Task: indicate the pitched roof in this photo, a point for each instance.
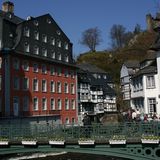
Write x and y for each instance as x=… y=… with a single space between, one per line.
x=146 y=70
x=132 y=64
x=90 y=68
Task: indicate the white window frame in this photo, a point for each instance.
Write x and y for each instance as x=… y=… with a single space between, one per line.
x=73 y=104
x=66 y=104
x=44 y=70
x=25 y=83
x=36 y=50
x=66 y=88
x=44 y=85
x=52 y=70
x=150 y=81
x=25 y=65
x=72 y=88
x=36 y=35
x=35 y=67
x=59 y=87
x=35 y=84
x=59 y=104
x=35 y=104
x=52 y=104
x=44 y=38
x=44 y=104
x=52 y=86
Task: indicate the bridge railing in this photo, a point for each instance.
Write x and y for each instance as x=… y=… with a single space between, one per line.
x=70 y=132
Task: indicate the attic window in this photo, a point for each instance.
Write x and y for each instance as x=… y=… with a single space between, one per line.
x=58 y=32
x=48 y=21
x=44 y=38
x=35 y=23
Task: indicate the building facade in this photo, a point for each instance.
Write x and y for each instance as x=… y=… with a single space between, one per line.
x=38 y=73
x=94 y=91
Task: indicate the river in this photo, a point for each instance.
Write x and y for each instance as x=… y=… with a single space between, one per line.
x=61 y=156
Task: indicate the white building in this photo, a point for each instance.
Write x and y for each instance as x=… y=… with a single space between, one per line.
x=145 y=86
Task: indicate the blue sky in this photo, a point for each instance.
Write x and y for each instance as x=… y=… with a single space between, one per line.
x=75 y=16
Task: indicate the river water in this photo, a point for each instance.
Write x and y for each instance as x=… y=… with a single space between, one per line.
x=61 y=156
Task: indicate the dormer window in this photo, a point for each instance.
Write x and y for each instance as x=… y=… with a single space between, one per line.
x=59 y=57
x=59 y=43
x=44 y=52
x=26 y=47
x=26 y=32
x=35 y=23
x=66 y=46
x=36 y=35
x=58 y=32
x=44 y=38
x=52 y=41
x=53 y=54
x=49 y=21
x=36 y=50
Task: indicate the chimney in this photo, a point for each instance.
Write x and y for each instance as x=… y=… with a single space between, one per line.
x=8 y=7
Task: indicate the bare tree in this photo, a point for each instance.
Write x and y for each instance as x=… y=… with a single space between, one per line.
x=117 y=33
x=91 y=38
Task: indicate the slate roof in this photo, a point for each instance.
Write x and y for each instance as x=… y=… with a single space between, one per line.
x=132 y=64
x=90 y=68
x=146 y=70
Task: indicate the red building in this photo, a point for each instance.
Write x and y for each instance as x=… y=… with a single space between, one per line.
x=38 y=73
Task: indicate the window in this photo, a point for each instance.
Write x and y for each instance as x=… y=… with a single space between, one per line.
x=72 y=74
x=44 y=104
x=67 y=121
x=36 y=50
x=26 y=32
x=35 y=103
x=35 y=67
x=44 y=52
x=25 y=103
x=58 y=87
x=73 y=121
x=152 y=105
x=66 y=45
x=59 y=71
x=25 y=83
x=66 y=90
x=52 y=86
x=44 y=38
x=16 y=64
x=59 y=43
x=44 y=69
x=52 y=104
x=52 y=41
x=35 y=85
x=59 y=104
x=72 y=89
x=150 y=82
x=16 y=82
x=35 y=22
x=26 y=47
x=44 y=86
x=66 y=58
x=25 y=66
x=66 y=72
x=52 y=70
x=66 y=104
x=36 y=35
x=72 y=104
x=59 y=57
x=53 y=54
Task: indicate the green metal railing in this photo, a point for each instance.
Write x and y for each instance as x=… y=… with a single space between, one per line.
x=96 y=131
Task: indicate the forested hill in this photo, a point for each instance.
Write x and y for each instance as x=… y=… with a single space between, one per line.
x=111 y=61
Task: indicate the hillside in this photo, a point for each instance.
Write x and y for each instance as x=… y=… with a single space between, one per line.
x=111 y=61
